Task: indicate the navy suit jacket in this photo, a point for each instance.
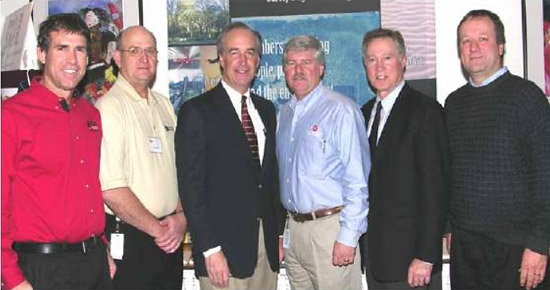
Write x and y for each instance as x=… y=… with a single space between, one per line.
x=224 y=193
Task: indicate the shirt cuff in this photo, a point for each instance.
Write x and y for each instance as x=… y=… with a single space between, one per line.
x=212 y=251
x=348 y=237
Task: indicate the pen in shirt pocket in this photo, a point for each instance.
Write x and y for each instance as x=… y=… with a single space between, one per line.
x=324 y=145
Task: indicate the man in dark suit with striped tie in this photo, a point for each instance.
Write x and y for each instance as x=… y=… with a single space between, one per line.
x=227 y=173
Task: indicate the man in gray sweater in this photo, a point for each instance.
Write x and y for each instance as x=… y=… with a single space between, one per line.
x=499 y=133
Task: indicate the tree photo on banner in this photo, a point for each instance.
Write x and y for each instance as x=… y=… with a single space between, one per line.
x=193 y=26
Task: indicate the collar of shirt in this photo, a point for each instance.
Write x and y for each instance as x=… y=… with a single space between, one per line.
x=490 y=79
x=387 y=105
x=49 y=98
x=127 y=87
x=235 y=98
x=305 y=103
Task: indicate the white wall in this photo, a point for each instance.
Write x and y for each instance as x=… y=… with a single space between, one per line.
x=155 y=19
x=448 y=15
x=535 y=42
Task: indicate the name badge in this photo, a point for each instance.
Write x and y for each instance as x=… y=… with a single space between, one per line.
x=286 y=238
x=117 y=246
x=155 y=145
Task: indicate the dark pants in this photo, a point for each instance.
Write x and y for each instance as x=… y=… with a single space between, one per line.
x=374 y=284
x=144 y=265
x=88 y=270
x=479 y=262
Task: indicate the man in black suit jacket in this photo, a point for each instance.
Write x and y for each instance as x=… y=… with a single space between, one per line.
x=408 y=179
x=227 y=173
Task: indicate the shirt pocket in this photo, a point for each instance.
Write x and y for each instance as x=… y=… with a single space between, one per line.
x=312 y=155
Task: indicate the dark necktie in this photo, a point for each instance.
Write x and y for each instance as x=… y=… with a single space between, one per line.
x=248 y=128
x=374 y=131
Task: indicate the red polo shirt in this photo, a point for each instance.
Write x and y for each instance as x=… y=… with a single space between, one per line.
x=50 y=173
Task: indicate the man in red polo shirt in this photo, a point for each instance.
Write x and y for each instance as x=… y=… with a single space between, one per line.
x=52 y=210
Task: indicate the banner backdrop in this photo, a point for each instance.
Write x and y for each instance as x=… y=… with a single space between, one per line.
x=338 y=24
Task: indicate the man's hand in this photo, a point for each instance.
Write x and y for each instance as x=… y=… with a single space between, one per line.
x=342 y=255
x=170 y=240
x=112 y=265
x=448 y=238
x=533 y=269
x=419 y=273
x=218 y=271
x=25 y=285
x=281 y=250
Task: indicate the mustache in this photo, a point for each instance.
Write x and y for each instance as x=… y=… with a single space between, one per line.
x=299 y=77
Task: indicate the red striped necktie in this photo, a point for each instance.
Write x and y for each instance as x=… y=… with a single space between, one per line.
x=248 y=128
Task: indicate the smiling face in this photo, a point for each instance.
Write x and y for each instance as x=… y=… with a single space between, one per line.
x=64 y=62
x=479 y=52
x=385 y=65
x=302 y=71
x=239 y=59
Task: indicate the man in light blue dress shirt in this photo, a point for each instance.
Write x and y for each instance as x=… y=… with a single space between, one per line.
x=324 y=163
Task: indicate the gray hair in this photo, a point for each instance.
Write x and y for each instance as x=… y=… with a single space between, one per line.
x=303 y=43
x=394 y=35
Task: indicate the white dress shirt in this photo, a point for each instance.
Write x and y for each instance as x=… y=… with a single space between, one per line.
x=387 y=105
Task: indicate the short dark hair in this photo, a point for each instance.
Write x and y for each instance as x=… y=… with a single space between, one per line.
x=68 y=22
x=499 y=27
x=302 y=43
x=394 y=35
x=238 y=25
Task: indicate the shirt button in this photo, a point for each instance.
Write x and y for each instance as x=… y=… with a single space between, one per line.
x=87 y=186
x=289 y=159
x=259 y=186
x=91 y=211
x=81 y=161
x=292 y=139
x=77 y=137
x=287 y=180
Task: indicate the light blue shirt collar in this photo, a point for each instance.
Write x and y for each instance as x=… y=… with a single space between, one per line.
x=490 y=79
x=308 y=100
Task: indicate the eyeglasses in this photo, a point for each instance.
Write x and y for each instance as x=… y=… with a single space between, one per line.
x=138 y=51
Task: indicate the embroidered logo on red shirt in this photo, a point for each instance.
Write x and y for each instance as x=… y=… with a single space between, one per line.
x=92 y=126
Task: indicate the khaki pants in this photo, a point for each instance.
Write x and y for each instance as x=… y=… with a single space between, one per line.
x=309 y=257
x=262 y=279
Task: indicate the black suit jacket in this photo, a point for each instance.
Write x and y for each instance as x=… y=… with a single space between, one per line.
x=408 y=187
x=224 y=193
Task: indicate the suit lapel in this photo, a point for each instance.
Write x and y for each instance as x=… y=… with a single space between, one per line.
x=396 y=123
x=230 y=121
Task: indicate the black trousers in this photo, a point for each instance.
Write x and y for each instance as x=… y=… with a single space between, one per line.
x=479 y=262
x=144 y=265
x=88 y=270
x=374 y=284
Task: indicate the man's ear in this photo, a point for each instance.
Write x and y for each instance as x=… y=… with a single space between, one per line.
x=41 y=55
x=116 y=57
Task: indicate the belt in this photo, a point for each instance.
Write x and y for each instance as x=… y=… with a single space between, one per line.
x=303 y=217
x=54 y=248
